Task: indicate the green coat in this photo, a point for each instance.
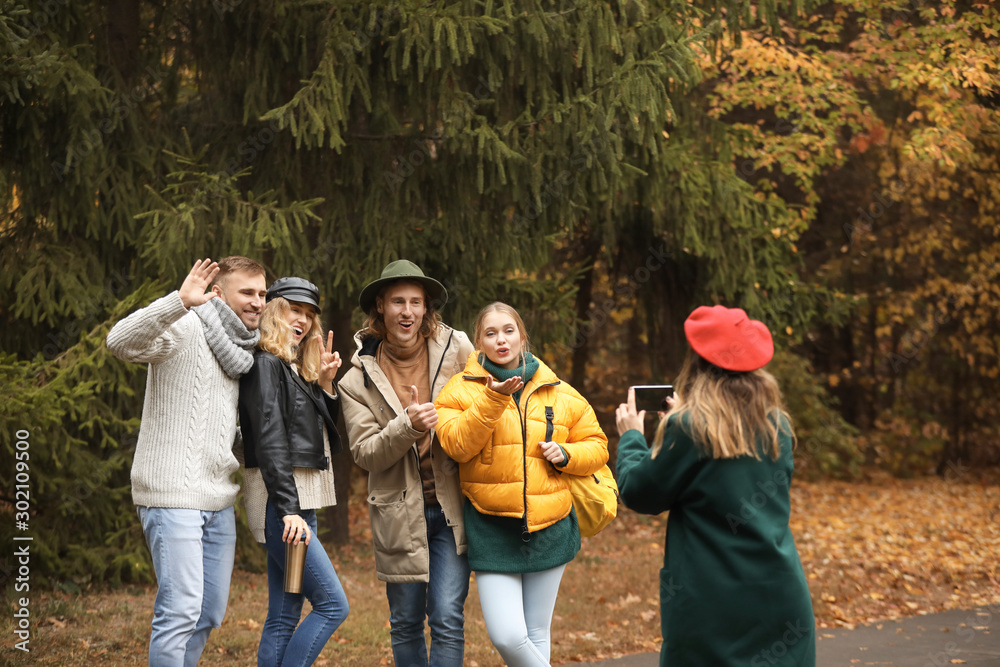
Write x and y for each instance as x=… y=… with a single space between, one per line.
x=732 y=589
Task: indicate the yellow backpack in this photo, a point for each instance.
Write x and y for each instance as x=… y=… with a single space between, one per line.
x=595 y=497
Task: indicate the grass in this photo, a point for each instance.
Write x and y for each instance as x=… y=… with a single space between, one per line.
x=871 y=551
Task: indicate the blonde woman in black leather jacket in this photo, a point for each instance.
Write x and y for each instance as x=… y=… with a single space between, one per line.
x=288 y=409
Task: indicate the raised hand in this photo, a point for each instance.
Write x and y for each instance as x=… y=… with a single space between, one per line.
x=192 y=291
x=329 y=362
x=508 y=386
x=626 y=418
x=423 y=416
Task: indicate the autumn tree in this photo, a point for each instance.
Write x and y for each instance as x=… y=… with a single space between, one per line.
x=327 y=138
x=879 y=122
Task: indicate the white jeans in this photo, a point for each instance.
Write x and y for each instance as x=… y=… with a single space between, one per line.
x=518 y=610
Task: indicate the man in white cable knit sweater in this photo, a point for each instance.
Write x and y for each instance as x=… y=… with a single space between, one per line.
x=197 y=345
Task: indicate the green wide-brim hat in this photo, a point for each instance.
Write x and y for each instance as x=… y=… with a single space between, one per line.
x=403 y=269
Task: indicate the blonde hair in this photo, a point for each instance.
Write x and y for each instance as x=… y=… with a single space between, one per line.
x=500 y=307
x=276 y=338
x=731 y=414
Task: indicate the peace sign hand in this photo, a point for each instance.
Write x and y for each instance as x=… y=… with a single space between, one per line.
x=329 y=362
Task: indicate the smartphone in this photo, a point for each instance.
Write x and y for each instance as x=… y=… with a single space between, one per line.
x=652 y=397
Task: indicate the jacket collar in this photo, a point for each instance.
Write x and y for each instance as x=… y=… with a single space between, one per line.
x=312 y=390
x=364 y=360
x=474 y=371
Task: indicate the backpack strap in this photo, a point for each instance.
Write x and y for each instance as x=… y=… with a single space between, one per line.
x=549 y=426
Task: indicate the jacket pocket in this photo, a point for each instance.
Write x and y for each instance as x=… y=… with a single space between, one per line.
x=391 y=529
x=382 y=413
x=486 y=455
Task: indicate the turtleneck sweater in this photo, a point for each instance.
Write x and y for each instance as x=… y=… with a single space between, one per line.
x=407 y=367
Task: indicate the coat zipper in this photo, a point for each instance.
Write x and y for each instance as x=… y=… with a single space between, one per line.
x=430 y=452
x=525 y=533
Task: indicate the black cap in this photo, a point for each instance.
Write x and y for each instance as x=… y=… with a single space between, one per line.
x=299 y=290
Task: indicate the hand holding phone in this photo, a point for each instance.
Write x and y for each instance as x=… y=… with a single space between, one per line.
x=652 y=397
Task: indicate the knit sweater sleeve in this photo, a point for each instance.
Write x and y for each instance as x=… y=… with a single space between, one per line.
x=149 y=335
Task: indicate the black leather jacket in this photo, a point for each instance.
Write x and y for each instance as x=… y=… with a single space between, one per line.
x=282 y=419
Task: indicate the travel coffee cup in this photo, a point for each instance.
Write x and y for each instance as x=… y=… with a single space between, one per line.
x=295 y=563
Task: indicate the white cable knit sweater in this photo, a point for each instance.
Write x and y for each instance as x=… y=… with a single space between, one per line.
x=184 y=457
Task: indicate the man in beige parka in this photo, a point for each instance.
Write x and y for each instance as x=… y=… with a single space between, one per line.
x=405 y=357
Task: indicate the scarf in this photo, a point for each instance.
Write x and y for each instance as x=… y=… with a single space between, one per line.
x=230 y=340
x=525 y=370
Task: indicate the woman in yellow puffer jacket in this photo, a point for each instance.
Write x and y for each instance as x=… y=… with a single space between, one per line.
x=516 y=430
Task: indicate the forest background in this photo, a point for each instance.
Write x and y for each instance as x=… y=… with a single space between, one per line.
x=831 y=167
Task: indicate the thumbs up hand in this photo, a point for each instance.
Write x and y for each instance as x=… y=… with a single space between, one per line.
x=423 y=416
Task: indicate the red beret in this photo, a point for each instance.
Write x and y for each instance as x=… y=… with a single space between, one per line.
x=728 y=338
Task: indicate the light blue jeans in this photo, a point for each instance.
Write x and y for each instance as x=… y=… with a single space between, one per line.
x=281 y=643
x=441 y=601
x=193 y=553
x=518 y=610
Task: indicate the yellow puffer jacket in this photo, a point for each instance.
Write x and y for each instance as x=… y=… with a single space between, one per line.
x=501 y=466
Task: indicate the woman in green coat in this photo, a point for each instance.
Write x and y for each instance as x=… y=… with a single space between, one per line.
x=732 y=589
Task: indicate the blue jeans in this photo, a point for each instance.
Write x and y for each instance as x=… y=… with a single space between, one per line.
x=441 y=601
x=281 y=643
x=193 y=554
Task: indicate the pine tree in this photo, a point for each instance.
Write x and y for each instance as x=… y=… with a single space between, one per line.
x=328 y=138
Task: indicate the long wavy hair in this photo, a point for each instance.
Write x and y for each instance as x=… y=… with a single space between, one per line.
x=729 y=414
x=374 y=325
x=276 y=337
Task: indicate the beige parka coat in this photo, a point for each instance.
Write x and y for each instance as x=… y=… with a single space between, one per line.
x=383 y=442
